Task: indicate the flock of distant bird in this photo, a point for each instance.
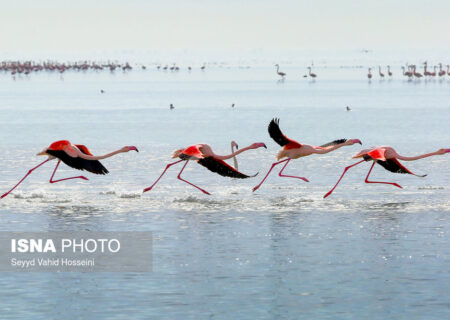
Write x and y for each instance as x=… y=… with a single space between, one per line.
x=410 y=71
x=27 y=67
x=174 y=67
x=283 y=74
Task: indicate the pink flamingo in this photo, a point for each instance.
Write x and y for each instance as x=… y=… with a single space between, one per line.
x=389 y=71
x=369 y=75
x=380 y=73
x=388 y=158
x=281 y=74
x=74 y=155
x=204 y=155
x=294 y=150
x=441 y=71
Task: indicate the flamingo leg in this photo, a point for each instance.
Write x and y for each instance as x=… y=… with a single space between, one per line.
x=343 y=173
x=273 y=165
x=282 y=175
x=54 y=171
x=368 y=174
x=179 y=177
x=28 y=173
x=167 y=167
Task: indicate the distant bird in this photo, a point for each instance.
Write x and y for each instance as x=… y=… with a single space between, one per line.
x=369 y=75
x=203 y=67
x=171 y=107
x=408 y=74
x=102 y=91
x=74 y=155
x=388 y=158
x=203 y=155
x=312 y=75
x=281 y=74
x=348 y=108
x=380 y=73
x=294 y=150
x=389 y=71
x=433 y=74
x=415 y=73
x=189 y=68
x=232 y=105
x=441 y=71
x=144 y=67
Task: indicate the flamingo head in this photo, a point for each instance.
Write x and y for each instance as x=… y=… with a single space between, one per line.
x=357 y=141
x=259 y=145
x=132 y=148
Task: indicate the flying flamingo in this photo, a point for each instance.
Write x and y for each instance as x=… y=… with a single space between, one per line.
x=76 y=156
x=380 y=73
x=388 y=158
x=312 y=75
x=294 y=150
x=369 y=75
x=203 y=154
x=389 y=71
x=281 y=74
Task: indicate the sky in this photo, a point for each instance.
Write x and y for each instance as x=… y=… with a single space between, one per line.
x=231 y=25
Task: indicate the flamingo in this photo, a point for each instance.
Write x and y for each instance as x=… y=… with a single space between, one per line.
x=441 y=71
x=76 y=156
x=425 y=71
x=281 y=74
x=369 y=75
x=380 y=73
x=388 y=158
x=204 y=155
x=416 y=74
x=294 y=150
x=433 y=74
x=407 y=73
x=389 y=71
x=312 y=75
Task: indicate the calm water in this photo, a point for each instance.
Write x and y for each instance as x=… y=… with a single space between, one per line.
x=368 y=251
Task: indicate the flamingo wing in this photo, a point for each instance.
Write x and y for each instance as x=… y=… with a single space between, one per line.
x=222 y=168
x=276 y=134
x=84 y=149
x=395 y=166
x=93 y=166
x=192 y=153
x=333 y=143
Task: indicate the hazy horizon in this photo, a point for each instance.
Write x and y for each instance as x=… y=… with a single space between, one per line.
x=201 y=26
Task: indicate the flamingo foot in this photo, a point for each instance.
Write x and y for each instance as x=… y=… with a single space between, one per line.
x=255 y=188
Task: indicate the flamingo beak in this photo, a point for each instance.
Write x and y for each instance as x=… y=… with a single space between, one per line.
x=259 y=145
x=447 y=150
x=132 y=148
x=357 y=141
x=42 y=153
